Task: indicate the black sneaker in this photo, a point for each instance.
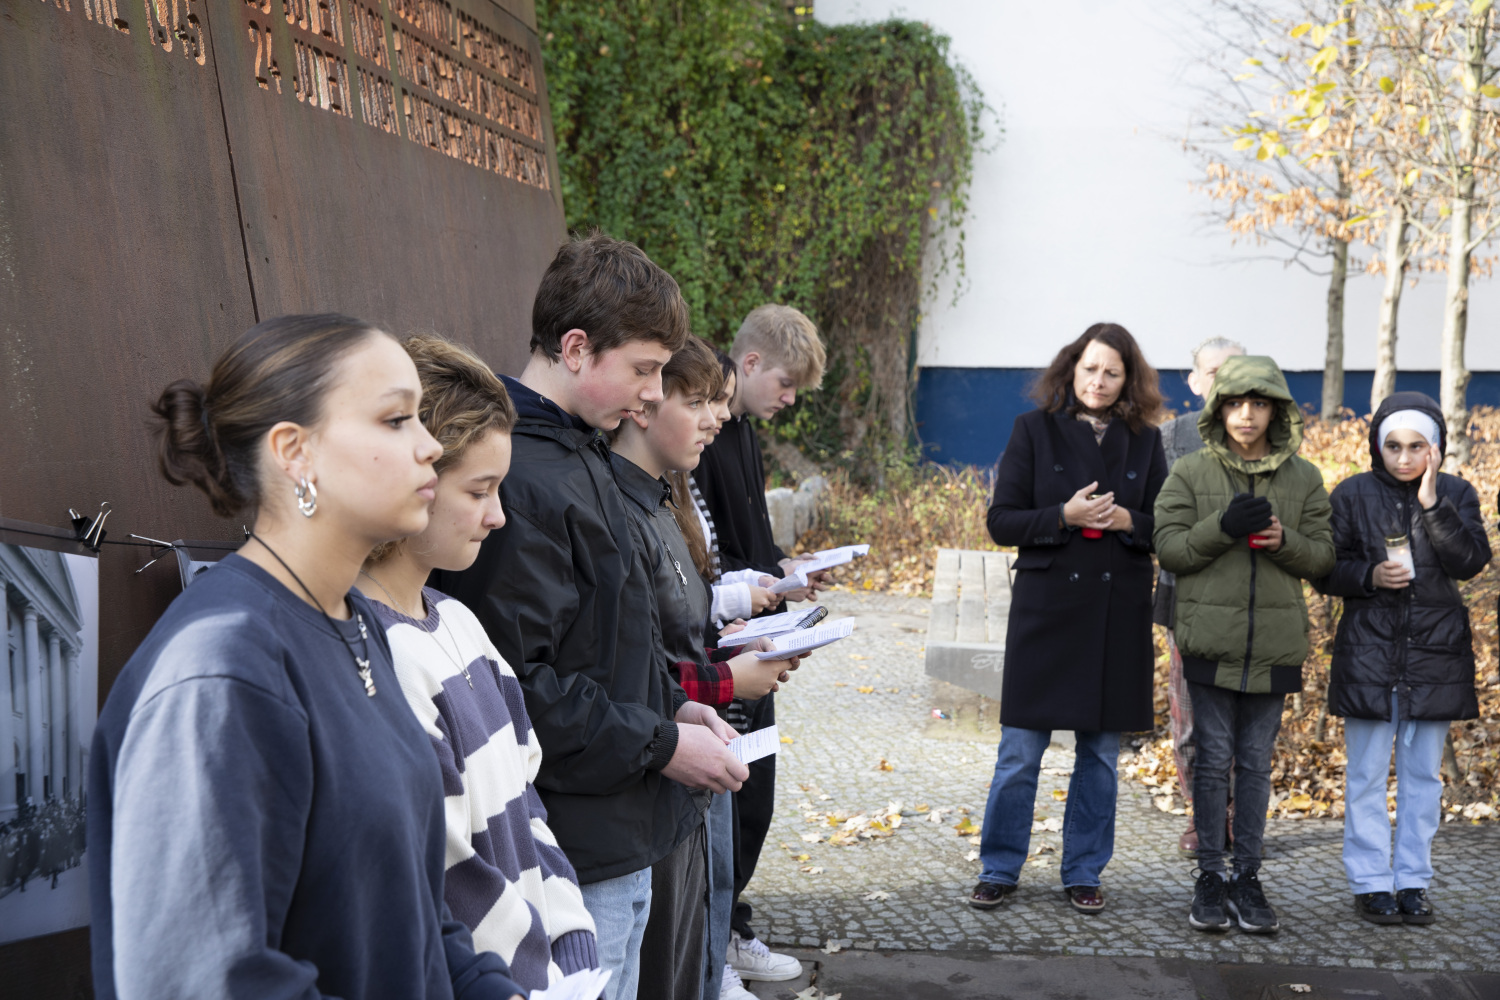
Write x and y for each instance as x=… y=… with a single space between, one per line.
x=1208 y=912
x=1377 y=907
x=1247 y=903
x=1415 y=909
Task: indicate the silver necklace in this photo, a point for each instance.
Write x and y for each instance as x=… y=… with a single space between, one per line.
x=361 y=663
x=456 y=660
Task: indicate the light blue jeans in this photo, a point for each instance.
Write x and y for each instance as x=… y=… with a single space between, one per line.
x=1419 y=802
x=720 y=822
x=620 y=908
x=1088 y=820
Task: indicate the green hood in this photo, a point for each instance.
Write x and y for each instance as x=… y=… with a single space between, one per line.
x=1240 y=375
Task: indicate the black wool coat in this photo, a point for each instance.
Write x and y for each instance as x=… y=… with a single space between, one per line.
x=1078 y=651
x=1415 y=641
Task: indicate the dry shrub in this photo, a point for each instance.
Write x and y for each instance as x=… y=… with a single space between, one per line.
x=917 y=511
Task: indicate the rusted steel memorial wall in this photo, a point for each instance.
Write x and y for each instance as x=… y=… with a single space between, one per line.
x=172 y=171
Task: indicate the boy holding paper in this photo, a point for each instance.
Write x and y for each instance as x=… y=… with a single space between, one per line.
x=776 y=352
x=661 y=437
x=562 y=593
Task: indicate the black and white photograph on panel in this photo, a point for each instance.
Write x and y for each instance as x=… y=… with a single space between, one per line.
x=49 y=697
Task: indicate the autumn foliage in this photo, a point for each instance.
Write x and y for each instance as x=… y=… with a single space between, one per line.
x=924 y=508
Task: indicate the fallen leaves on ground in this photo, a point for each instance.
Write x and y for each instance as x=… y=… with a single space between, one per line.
x=877 y=896
x=813 y=993
x=851 y=829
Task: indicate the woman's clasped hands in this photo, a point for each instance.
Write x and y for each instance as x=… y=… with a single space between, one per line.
x=1086 y=509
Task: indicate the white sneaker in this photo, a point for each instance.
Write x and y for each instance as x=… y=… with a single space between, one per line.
x=753 y=960
x=731 y=988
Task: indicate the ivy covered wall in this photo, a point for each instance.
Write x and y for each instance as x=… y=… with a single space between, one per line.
x=761 y=157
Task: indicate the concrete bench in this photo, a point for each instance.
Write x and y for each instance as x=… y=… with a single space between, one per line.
x=970 y=608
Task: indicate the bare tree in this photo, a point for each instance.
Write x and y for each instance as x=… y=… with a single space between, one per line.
x=1273 y=102
x=1447 y=49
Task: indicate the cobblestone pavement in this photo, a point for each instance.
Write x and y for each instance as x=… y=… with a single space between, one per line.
x=906 y=890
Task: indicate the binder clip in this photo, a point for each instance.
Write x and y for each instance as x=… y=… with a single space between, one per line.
x=90 y=533
x=156 y=554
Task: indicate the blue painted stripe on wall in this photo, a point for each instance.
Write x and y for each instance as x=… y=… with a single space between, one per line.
x=964 y=415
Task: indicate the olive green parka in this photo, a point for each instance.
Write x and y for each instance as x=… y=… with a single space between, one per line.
x=1237 y=607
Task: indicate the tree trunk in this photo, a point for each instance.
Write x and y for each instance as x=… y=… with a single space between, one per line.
x=1390 y=306
x=1333 y=363
x=1454 y=375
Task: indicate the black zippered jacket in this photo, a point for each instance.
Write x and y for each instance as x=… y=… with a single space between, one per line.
x=565 y=599
x=1414 y=641
x=732 y=478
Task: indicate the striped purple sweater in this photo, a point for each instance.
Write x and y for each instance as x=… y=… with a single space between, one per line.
x=506 y=877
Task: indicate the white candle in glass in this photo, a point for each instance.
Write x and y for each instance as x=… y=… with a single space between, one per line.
x=1398 y=550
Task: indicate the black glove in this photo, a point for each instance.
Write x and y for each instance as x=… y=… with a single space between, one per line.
x=1245 y=515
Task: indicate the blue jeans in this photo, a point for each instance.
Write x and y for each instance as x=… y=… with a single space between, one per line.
x=1088 y=821
x=1232 y=728
x=1419 y=802
x=620 y=908
x=720 y=822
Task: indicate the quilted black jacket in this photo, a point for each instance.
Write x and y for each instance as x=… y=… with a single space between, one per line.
x=1414 y=641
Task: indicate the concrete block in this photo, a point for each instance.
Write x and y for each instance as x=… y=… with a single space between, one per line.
x=781 y=505
x=973 y=666
x=804 y=512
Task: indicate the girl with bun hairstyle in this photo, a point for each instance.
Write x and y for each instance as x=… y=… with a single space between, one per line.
x=265 y=812
x=507 y=879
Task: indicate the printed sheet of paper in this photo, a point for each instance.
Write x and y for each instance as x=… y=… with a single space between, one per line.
x=585 y=984
x=798 y=642
x=754 y=746
x=787 y=621
x=821 y=560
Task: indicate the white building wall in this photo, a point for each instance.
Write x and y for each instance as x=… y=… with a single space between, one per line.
x=1084 y=212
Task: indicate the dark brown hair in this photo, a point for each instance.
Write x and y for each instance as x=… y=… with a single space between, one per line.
x=1140 y=399
x=462 y=401
x=612 y=291
x=281 y=369
x=685 y=513
x=707 y=369
x=693 y=368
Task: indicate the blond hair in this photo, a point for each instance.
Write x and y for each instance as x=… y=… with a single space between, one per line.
x=784 y=338
x=462 y=401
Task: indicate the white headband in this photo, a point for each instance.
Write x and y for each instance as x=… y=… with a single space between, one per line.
x=1410 y=420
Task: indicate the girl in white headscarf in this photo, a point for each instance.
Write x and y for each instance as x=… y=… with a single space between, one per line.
x=1403 y=658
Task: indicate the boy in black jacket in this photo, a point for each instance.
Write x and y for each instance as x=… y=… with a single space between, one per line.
x=564 y=593
x=776 y=352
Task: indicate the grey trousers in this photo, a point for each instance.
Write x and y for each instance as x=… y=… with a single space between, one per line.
x=1232 y=729
x=673 y=948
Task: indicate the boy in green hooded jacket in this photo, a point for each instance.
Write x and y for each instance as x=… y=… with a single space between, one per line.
x=1242 y=523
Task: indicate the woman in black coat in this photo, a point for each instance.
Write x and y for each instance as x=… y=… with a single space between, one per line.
x=1074 y=493
x=1403 y=657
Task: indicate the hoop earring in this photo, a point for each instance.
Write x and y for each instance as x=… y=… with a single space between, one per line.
x=307 y=498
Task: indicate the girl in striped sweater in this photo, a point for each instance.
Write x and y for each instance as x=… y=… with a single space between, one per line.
x=506 y=877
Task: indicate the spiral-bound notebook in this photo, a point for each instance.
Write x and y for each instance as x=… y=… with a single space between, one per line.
x=805 y=640
x=774 y=625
